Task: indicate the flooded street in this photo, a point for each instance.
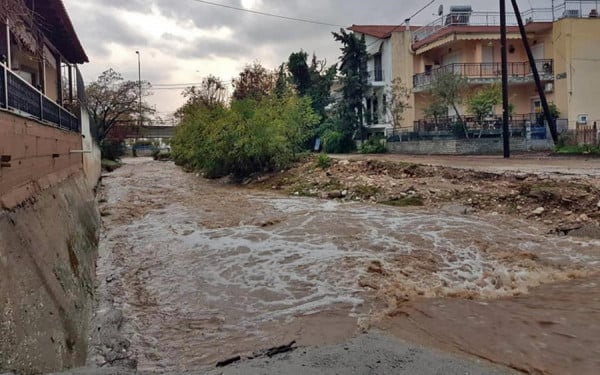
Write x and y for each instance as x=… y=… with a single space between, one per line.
x=200 y=271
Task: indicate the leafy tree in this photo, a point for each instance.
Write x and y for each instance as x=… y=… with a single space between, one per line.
x=436 y=109
x=314 y=80
x=281 y=86
x=254 y=82
x=300 y=73
x=399 y=102
x=448 y=88
x=354 y=80
x=111 y=100
x=482 y=103
x=211 y=93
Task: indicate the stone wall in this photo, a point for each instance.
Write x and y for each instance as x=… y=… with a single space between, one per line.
x=48 y=249
x=40 y=157
x=467 y=146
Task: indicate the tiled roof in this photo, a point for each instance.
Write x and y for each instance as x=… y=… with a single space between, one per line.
x=379 y=31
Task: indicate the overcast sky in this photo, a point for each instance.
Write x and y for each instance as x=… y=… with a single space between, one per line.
x=183 y=41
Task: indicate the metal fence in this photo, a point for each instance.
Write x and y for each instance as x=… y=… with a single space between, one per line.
x=485 y=70
x=525 y=126
x=18 y=95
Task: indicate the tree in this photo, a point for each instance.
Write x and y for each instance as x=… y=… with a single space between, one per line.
x=354 y=80
x=300 y=73
x=448 y=88
x=436 y=109
x=111 y=99
x=314 y=80
x=482 y=103
x=254 y=82
x=211 y=93
x=399 y=101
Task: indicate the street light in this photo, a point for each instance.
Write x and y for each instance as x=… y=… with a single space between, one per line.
x=140 y=86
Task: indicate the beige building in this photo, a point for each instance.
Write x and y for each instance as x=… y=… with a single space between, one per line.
x=564 y=42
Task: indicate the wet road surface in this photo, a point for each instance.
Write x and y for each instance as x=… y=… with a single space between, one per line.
x=200 y=271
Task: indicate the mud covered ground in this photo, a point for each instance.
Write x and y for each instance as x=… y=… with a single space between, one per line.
x=503 y=267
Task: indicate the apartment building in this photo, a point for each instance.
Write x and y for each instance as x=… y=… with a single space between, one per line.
x=564 y=41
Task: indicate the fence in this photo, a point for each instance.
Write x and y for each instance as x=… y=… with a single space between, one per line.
x=587 y=134
x=18 y=95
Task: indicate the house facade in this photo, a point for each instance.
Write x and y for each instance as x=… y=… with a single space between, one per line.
x=41 y=90
x=467 y=43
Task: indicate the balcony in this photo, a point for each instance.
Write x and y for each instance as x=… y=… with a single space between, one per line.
x=19 y=96
x=482 y=73
x=564 y=9
x=377 y=77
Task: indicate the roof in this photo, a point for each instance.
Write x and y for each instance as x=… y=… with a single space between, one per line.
x=533 y=27
x=59 y=29
x=379 y=31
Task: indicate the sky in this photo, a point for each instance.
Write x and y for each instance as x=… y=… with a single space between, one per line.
x=182 y=41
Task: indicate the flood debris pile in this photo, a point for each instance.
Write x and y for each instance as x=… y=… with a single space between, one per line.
x=567 y=206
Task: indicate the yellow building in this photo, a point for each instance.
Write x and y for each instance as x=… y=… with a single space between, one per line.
x=565 y=43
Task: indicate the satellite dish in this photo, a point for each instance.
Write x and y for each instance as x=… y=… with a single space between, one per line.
x=441 y=10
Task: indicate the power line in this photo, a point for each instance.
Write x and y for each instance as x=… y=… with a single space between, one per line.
x=397 y=27
x=269 y=14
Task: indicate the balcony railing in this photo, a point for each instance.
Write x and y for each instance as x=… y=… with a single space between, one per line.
x=565 y=9
x=376 y=75
x=16 y=94
x=486 y=71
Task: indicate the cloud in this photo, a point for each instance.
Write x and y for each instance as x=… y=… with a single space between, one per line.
x=185 y=40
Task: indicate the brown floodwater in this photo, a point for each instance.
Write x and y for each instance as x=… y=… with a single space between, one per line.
x=206 y=270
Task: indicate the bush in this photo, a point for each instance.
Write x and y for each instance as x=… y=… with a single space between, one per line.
x=373 y=145
x=323 y=161
x=112 y=150
x=249 y=137
x=458 y=129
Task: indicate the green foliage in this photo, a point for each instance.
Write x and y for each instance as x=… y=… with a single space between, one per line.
x=333 y=139
x=354 y=80
x=578 y=150
x=482 y=103
x=298 y=67
x=436 y=109
x=373 y=145
x=554 y=110
x=459 y=130
x=251 y=136
x=112 y=150
x=448 y=88
x=323 y=161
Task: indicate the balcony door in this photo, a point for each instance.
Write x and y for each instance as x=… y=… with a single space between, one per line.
x=378 y=67
x=451 y=62
x=538 y=55
x=488 y=68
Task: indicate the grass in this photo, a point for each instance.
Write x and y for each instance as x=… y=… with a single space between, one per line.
x=110 y=165
x=578 y=150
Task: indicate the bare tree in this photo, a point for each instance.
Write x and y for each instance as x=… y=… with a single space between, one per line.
x=254 y=82
x=111 y=100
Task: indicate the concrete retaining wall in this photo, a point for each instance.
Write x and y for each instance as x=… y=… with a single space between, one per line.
x=48 y=249
x=467 y=147
x=40 y=157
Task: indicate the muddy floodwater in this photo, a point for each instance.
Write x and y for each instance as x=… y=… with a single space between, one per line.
x=200 y=271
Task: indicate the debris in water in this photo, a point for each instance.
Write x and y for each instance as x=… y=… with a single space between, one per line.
x=229 y=361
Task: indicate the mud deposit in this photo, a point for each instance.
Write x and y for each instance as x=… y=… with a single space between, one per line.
x=192 y=272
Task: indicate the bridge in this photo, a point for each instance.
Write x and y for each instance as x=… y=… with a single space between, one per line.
x=122 y=132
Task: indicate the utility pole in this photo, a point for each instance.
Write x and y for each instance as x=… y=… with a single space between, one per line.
x=505 y=125
x=139 y=87
x=536 y=75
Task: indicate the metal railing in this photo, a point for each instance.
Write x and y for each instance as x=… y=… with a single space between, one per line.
x=486 y=70
x=18 y=95
x=565 y=9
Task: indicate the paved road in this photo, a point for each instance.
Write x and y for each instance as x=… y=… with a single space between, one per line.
x=530 y=163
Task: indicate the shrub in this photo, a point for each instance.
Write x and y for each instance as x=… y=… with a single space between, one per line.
x=323 y=161
x=373 y=145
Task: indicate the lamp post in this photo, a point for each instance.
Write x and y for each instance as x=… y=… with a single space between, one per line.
x=139 y=87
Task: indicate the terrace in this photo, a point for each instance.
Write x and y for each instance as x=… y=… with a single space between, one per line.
x=460 y=17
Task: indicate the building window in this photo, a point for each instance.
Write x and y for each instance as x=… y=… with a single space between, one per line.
x=378 y=67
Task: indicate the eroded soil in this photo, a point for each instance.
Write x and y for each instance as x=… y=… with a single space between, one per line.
x=193 y=271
